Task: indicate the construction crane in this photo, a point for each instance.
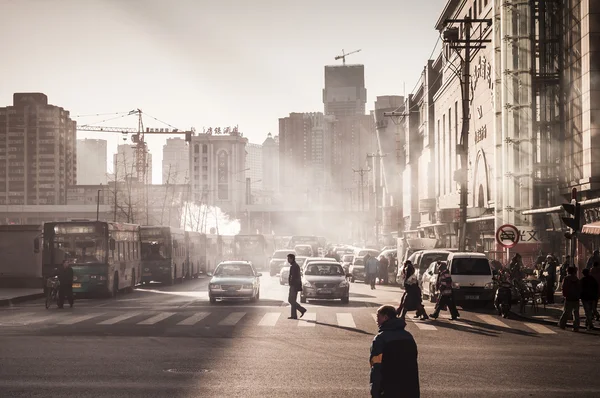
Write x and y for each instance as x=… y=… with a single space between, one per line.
x=137 y=138
x=344 y=55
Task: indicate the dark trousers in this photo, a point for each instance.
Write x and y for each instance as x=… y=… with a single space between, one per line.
x=444 y=301
x=295 y=307
x=550 y=291
x=372 y=279
x=589 y=312
x=65 y=292
x=571 y=307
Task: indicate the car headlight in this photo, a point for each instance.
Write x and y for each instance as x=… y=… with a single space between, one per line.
x=489 y=285
x=214 y=286
x=247 y=286
x=307 y=284
x=344 y=284
x=455 y=285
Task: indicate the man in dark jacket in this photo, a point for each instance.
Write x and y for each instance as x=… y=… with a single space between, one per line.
x=571 y=290
x=295 y=282
x=65 y=277
x=394 y=365
x=589 y=297
x=550 y=270
x=594 y=258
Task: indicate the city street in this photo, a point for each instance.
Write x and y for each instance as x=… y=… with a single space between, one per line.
x=170 y=341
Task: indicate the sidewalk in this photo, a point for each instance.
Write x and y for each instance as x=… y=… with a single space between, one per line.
x=551 y=314
x=9 y=296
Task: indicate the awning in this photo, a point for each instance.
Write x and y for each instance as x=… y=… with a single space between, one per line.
x=480 y=219
x=591 y=229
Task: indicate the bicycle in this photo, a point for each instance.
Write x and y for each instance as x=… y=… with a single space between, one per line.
x=53 y=285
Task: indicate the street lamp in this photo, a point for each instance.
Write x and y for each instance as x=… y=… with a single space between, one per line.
x=98 y=204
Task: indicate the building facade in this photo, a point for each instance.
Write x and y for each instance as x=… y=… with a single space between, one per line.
x=254 y=164
x=38 y=157
x=270 y=164
x=176 y=161
x=344 y=93
x=92 y=159
x=218 y=166
x=124 y=164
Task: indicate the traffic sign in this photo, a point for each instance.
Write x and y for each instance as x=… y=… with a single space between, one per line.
x=507 y=236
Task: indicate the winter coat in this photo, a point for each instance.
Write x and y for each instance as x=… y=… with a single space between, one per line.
x=571 y=288
x=393 y=359
x=589 y=288
x=295 y=277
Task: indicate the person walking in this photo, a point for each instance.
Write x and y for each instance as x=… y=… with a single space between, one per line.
x=383 y=270
x=371 y=268
x=550 y=272
x=411 y=300
x=589 y=297
x=595 y=272
x=595 y=258
x=571 y=291
x=563 y=271
x=393 y=358
x=65 y=290
x=295 y=282
x=446 y=297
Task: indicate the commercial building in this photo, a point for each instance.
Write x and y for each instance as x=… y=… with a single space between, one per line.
x=38 y=157
x=254 y=164
x=270 y=164
x=124 y=164
x=176 y=161
x=218 y=166
x=344 y=93
x=91 y=162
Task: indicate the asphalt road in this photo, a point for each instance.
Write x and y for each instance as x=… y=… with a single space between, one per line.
x=171 y=342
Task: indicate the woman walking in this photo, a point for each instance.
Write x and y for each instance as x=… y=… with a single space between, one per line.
x=411 y=300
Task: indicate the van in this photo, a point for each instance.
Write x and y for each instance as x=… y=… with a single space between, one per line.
x=472 y=278
x=421 y=260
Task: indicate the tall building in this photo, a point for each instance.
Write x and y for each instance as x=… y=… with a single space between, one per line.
x=305 y=154
x=37 y=151
x=91 y=162
x=124 y=164
x=254 y=162
x=218 y=166
x=176 y=161
x=270 y=164
x=344 y=93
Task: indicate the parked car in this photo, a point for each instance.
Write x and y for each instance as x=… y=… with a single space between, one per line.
x=234 y=280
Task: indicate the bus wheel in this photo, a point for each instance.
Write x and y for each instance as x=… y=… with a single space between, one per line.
x=115 y=291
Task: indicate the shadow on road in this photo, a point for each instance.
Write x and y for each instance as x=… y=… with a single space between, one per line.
x=337 y=303
x=354 y=330
x=463 y=328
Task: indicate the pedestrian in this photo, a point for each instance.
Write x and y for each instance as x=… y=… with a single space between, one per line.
x=595 y=272
x=550 y=271
x=383 y=270
x=571 y=290
x=394 y=358
x=332 y=254
x=295 y=282
x=563 y=271
x=446 y=296
x=594 y=258
x=371 y=268
x=411 y=300
x=65 y=290
x=589 y=297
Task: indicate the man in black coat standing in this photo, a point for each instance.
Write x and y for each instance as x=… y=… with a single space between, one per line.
x=65 y=290
x=295 y=282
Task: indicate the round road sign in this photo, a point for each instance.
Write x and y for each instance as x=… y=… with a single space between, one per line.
x=507 y=236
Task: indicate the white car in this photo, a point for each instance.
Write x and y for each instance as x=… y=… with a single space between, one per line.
x=429 y=281
x=284 y=274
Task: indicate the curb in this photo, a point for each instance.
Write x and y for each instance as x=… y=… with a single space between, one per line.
x=20 y=299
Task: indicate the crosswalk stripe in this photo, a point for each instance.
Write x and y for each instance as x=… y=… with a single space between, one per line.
x=156 y=318
x=269 y=319
x=422 y=324
x=308 y=320
x=232 y=319
x=541 y=329
x=345 y=320
x=489 y=319
x=462 y=323
x=194 y=319
x=15 y=317
x=119 y=318
x=77 y=319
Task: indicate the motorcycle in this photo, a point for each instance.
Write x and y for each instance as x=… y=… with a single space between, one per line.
x=503 y=298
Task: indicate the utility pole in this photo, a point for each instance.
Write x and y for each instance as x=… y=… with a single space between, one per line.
x=362 y=173
x=453 y=39
x=377 y=156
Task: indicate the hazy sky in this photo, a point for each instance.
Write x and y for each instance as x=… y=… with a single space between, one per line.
x=206 y=63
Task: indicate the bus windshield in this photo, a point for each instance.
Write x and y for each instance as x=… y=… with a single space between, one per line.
x=155 y=244
x=79 y=248
x=249 y=245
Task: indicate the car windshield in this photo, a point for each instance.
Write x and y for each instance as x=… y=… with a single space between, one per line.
x=304 y=250
x=429 y=258
x=324 y=269
x=234 y=270
x=347 y=258
x=471 y=266
x=280 y=255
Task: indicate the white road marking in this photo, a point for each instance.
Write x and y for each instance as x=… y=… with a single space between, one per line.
x=194 y=319
x=156 y=318
x=346 y=320
x=77 y=319
x=232 y=319
x=491 y=320
x=308 y=320
x=541 y=329
x=423 y=325
x=12 y=318
x=269 y=319
x=119 y=318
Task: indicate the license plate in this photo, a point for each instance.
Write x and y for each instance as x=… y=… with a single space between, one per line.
x=76 y=285
x=472 y=297
x=325 y=291
x=232 y=289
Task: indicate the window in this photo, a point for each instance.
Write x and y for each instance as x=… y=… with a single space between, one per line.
x=204 y=148
x=196 y=148
x=471 y=266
